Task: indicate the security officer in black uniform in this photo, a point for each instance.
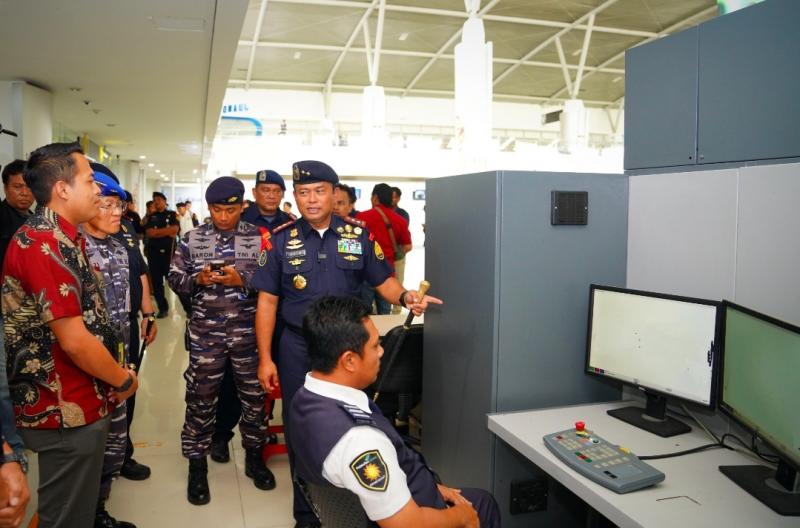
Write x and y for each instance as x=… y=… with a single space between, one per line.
x=266 y=212
x=342 y=438
x=320 y=254
x=161 y=229
x=140 y=302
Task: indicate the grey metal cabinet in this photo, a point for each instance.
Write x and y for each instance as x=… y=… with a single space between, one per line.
x=512 y=332
x=661 y=102
x=727 y=88
x=749 y=84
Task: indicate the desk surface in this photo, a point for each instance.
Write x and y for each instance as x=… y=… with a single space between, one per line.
x=384 y=323
x=694 y=492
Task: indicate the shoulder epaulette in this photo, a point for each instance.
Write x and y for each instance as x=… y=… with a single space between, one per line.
x=284 y=226
x=358 y=416
x=354 y=221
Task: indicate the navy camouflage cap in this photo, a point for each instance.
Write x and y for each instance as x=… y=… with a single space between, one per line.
x=311 y=171
x=270 y=176
x=226 y=190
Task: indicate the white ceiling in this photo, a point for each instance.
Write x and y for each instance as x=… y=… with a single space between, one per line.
x=154 y=69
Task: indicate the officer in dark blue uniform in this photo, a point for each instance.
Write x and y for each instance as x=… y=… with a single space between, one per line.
x=320 y=254
x=161 y=229
x=265 y=212
x=342 y=438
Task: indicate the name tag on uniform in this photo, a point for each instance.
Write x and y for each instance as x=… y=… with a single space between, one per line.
x=344 y=245
x=292 y=253
x=247 y=247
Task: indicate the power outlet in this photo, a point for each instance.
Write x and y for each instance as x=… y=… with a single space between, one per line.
x=528 y=496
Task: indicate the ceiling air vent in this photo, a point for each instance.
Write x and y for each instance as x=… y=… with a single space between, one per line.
x=569 y=208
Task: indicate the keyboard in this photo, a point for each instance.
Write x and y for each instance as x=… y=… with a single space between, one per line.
x=607 y=464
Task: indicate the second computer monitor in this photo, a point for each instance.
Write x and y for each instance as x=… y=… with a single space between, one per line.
x=662 y=344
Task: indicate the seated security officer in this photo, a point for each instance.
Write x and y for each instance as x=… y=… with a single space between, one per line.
x=341 y=438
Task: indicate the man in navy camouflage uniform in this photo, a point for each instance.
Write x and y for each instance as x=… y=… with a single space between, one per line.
x=321 y=254
x=214 y=266
x=139 y=288
x=109 y=260
x=265 y=212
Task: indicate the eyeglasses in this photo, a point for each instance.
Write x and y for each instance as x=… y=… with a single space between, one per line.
x=109 y=207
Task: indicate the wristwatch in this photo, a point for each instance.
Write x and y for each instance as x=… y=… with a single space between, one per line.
x=150 y=316
x=18 y=457
x=125 y=386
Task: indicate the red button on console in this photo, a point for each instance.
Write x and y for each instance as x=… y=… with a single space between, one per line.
x=580 y=426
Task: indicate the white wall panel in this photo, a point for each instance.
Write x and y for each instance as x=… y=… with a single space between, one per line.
x=768 y=257
x=682 y=233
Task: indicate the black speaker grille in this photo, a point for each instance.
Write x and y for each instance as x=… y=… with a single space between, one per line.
x=569 y=208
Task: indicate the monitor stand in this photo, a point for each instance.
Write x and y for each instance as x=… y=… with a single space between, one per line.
x=653 y=419
x=779 y=490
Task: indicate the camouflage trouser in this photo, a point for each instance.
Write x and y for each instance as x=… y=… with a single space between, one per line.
x=208 y=356
x=115 y=449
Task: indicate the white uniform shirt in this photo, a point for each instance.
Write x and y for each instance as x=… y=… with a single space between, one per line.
x=351 y=450
x=185 y=223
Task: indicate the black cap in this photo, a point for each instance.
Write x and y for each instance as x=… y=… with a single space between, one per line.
x=225 y=190
x=311 y=171
x=157 y=194
x=270 y=176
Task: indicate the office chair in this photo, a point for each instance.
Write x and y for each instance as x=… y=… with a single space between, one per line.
x=400 y=378
x=334 y=507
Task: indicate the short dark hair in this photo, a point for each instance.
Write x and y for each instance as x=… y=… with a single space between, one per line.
x=287 y=203
x=384 y=194
x=15 y=167
x=148 y=203
x=180 y=204
x=332 y=326
x=351 y=193
x=397 y=191
x=48 y=165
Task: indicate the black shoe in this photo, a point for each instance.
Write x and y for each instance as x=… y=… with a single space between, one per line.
x=162 y=315
x=198 y=492
x=220 y=452
x=255 y=468
x=102 y=519
x=132 y=470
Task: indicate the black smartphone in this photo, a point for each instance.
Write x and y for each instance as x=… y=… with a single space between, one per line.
x=216 y=266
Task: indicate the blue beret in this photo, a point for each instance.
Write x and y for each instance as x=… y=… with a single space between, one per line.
x=311 y=171
x=270 y=176
x=108 y=187
x=99 y=167
x=225 y=190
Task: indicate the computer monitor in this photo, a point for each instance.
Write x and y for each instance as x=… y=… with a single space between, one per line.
x=760 y=389
x=664 y=345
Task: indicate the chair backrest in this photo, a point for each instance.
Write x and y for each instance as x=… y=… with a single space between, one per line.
x=335 y=507
x=405 y=373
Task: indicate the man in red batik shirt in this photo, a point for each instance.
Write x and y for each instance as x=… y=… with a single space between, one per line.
x=63 y=353
x=390 y=231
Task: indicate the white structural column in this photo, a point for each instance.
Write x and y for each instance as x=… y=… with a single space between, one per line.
x=27 y=111
x=473 y=97
x=373 y=116
x=446 y=46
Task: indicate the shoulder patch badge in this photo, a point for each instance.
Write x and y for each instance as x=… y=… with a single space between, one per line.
x=370 y=471
x=379 y=251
